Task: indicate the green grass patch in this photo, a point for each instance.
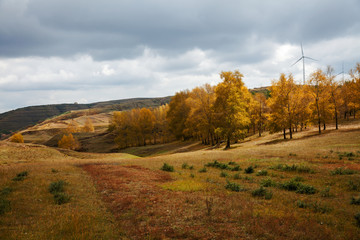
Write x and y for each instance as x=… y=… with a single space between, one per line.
x=268 y=182
x=262 y=173
x=185 y=185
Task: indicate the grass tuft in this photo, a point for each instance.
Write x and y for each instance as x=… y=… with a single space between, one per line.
x=342 y=171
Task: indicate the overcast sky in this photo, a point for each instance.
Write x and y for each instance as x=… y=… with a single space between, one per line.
x=87 y=51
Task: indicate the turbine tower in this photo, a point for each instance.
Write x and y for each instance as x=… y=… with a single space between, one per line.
x=303 y=60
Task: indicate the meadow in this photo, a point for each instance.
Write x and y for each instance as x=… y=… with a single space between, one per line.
x=262 y=188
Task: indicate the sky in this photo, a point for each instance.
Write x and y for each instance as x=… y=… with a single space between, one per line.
x=87 y=51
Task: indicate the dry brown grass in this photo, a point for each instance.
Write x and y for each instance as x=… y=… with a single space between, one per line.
x=119 y=196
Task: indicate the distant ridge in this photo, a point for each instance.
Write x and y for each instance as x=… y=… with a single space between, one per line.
x=24 y=117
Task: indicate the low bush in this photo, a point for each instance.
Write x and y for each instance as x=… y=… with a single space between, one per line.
x=233 y=187
x=262 y=192
x=56 y=187
x=298 y=187
x=316 y=207
x=224 y=174
x=293 y=168
x=4 y=205
x=342 y=171
x=184 y=166
x=236 y=168
x=217 y=164
x=237 y=176
x=167 y=168
x=355 y=200
x=61 y=198
x=20 y=176
x=203 y=170
x=262 y=173
x=268 y=182
x=354 y=186
x=326 y=193
x=357 y=219
x=249 y=170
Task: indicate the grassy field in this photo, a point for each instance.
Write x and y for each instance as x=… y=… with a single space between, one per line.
x=263 y=188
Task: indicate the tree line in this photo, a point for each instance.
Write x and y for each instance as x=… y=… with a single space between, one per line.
x=228 y=111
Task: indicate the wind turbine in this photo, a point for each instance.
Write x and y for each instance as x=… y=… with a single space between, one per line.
x=342 y=72
x=303 y=60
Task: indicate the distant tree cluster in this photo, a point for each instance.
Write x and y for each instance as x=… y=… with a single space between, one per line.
x=229 y=112
x=138 y=127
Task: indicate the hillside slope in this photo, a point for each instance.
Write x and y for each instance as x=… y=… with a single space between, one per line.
x=24 y=117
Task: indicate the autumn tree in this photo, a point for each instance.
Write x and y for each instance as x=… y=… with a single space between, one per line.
x=17 y=138
x=318 y=88
x=355 y=83
x=200 y=121
x=68 y=142
x=231 y=106
x=146 y=124
x=178 y=113
x=287 y=104
x=258 y=110
x=72 y=127
x=335 y=94
x=88 y=126
x=161 y=126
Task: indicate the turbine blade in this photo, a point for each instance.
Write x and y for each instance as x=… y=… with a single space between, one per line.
x=297 y=61
x=311 y=58
x=302 y=50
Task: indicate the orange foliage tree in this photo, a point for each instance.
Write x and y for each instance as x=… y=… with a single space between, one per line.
x=68 y=142
x=17 y=138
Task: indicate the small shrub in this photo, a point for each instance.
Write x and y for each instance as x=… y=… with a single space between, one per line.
x=326 y=193
x=231 y=163
x=354 y=186
x=54 y=170
x=342 y=171
x=357 y=219
x=301 y=204
x=224 y=174
x=298 y=179
x=355 y=200
x=237 y=176
x=249 y=170
x=5 y=191
x=268 y=182
x=293 y=168
x=184 y=166
x=298 y=187
x=262 y=173
x=167 y=168
x=203 y=170
x=20 y=176
x=233 y=186
x=236 y=168
x=56 y=187
x=262 y=192
x=191 y=167
x=192 y=175
x=217 y=164
x=292 y=154
x=4 y=205
x=61 y=198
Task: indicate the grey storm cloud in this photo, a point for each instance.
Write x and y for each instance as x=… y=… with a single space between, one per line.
x=114 y=29
x=101 y=50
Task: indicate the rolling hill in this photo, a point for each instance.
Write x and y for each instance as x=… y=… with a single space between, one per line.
x=28 y=116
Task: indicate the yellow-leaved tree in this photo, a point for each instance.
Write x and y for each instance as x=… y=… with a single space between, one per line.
x=88 y=126
x=231 y=107
x=17 y=138
x=68 y=142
